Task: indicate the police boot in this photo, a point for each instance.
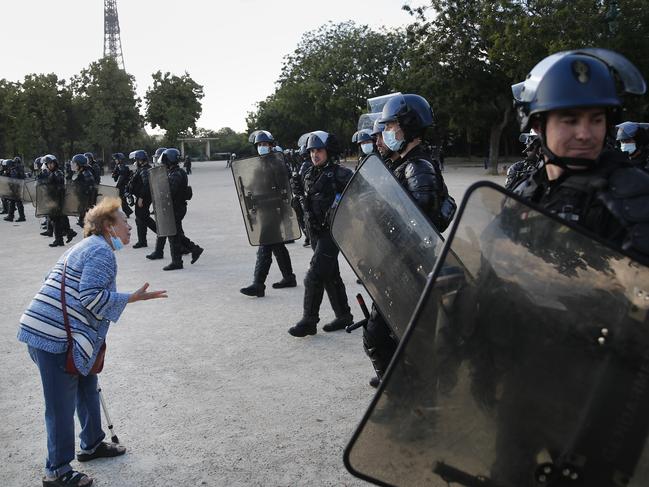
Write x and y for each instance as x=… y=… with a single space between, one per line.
x=262 y=266
x=173 y=266
x=9 y=218
x=70 y=235
x=313 y=292
x=196 y=253
x=284 y=263
x=159 y=247
x=338 y=299
x=255 y=289
x=140 y=245
x=141 y=234
x=21 y=218
x=57 y=243
x=176 y=255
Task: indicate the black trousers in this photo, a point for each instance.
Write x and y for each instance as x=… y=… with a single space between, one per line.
x=265 y=259
x=143 y=221
x=13 y=204
x=61 y=226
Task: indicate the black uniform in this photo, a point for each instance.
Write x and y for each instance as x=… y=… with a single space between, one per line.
x=60 y=223
x=179 y=243
x=322 y=184
x=86 y=178
x=188 y=165
x=421 y=176
x=16 y=171
x=608 y=200
x=121 y=176
x=139 y=187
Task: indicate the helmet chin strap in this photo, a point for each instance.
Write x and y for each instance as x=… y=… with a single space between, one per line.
x=564 y=162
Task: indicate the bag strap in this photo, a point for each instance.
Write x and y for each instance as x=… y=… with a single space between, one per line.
x=64 y=306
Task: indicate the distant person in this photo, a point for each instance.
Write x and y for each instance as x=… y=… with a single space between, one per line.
x=188 y=164
x=93 y=302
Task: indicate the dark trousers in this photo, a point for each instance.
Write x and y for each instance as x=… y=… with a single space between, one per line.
x=265 y=259
x=143 y=220
x=324 y=274
x=61 y=226
x=13 y=204
x=179 y=242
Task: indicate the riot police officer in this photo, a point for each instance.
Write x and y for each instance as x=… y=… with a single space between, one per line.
x=365 y=143
x=180 y=193
x=122 y=175
x=572 y=100
x=16 y=170
x=158 y=154
x=94 y=167
x=264 y=143
x=520 y=170
x=56 y=181
x=138 y=186
x=297 y=186
x=84 y=176
x=323 y=183
x=633 y=139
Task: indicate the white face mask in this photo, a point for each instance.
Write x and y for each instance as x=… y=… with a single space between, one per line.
x=628 y=148
x=367 y=148
x=262 y=150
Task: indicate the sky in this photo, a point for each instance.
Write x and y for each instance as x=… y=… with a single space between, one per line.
x=233 y=48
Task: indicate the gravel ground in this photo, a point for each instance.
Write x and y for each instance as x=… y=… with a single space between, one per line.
x=205 y=388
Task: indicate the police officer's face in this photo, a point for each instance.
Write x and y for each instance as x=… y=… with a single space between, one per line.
x=396 y=128
x=265 y=144
x=318 y=156
x=578 y=132
x=380 y=145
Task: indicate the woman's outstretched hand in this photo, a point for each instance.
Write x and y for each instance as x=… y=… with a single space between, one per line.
x=142 y=294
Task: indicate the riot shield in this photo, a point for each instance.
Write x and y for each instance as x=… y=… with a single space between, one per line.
x=78 y=198
x=527 y=366
x=162 y=205
x=366 y=120
x=265 y=197
x=29 y=191
x=11 y=188
x=49 y=199
x=387 y=240
x=104 y=191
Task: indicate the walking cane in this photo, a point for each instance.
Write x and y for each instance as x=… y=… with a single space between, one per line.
x=113 y=438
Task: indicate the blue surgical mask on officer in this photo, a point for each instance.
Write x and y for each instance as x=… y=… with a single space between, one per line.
x=628 y=148
x=390 y=139
x=262 y=150
x=367 y=148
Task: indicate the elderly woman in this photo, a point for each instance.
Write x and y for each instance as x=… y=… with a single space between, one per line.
x=92 y=302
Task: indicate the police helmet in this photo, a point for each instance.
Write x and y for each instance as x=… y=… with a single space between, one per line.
x=574 y=79
x=170 y=157
x=118 y=156
x=140 y=155
x=361 y=136
x=629 y=130
x=50 y=158
x=378 y=128
x=323 y=140
x=37 y=162
x=90 y=156
x=80 y=160
x=261 y=136
x=412 y=112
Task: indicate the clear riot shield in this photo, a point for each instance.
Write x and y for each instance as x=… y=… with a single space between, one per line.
x=104 y=191
x=11 y=188
x=265 y=197
x=528 y=366
x=49 y=199
x=366 y=120
x=29 y=191
x=387 y=240
x=78 y=198
x=163 y=207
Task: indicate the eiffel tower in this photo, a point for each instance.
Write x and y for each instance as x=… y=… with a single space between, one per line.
x=112 y=41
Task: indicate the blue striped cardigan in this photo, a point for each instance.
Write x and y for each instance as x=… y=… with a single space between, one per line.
x=91 y=298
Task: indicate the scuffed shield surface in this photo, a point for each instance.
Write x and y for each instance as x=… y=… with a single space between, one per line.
x=163 y=207
x=264 y=193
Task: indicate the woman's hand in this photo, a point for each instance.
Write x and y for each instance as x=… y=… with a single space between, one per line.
x=142 y=294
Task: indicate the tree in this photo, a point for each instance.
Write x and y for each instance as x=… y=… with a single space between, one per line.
x=173 y=103
x=326 y=81
x=109 y=105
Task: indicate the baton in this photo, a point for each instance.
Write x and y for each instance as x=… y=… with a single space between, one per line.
x=366 y=313
x=113 y=438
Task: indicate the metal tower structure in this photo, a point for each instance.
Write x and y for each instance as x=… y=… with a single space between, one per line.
x=112 y=41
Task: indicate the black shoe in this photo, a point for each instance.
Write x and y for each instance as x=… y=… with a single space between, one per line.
x=155 y=256
x=3 y=212
x=8 y=218
x=21 y=219
x=140 y=245
x=47 y=234
x=307 y=243
x=196 y=253
x=80 y=223
x=303 y=328
x=286 y=282
x=358 y=281
x=70 y=236
x=339 y=323
x=57 y=243
x=375 y=381
x=290 y=242
x=173 y=266
x=257 y=290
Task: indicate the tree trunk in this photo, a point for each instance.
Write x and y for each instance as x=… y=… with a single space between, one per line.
x=494 y=141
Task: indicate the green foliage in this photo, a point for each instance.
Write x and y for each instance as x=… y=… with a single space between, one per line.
x=173 y=104
x=326 y=81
